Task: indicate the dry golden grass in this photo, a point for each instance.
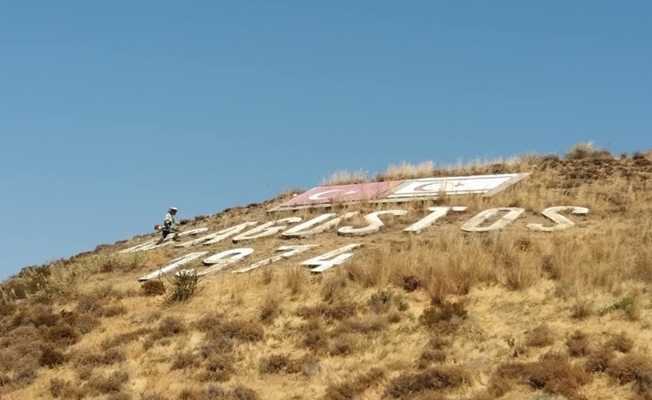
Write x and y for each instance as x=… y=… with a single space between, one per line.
x=444 y=314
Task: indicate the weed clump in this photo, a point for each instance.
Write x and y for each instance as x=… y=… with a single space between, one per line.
x=433 y=379
x=183 y=286
x=552 y=373
x=578 y=344
x=541 y=336
x=152 y=288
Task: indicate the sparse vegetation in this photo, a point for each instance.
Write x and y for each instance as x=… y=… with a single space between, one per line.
x=442 y=314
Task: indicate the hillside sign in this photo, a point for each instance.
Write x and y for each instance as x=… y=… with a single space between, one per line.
x=248 y=232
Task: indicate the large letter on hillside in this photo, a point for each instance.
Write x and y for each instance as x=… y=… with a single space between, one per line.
x=152 y=244
x=374 y=224
x=218 y=236
x=473 y=225
x=267 y=229
x=302 y=230
x=222 y=260
x=561 y=222
x=177 y=262
x=325 y=261
x=289 y=252
x=436 y=213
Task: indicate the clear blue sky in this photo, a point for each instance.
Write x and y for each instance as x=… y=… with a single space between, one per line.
x=112 y=111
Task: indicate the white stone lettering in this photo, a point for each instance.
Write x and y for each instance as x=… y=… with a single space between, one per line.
x=223 y=259
x=374 y=223
x=267 y=229
x=177 y=262
x=336 y=257
x=560 y=221
x=302 y=230
x=289 y=252
x=473 y=225
x=436 y=213
x=218 y=236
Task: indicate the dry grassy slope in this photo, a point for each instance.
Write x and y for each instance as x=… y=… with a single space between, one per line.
x=440 y=315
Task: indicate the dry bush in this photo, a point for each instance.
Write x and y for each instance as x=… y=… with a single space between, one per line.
x=433 y=379
x=108 y=384
x=578 y=344
x=315 y=337
x=433 y=352
x=333 y=287
x=335 y=311
x=407 y=170
x=582 y=309
x=61 y=388
x=541 y=336
x=152 y=396
x=552 y=373
x=184 y=360
x=246 y=331
x=344 y=178
x=295 y=280
x=51 y=357
x=270 y=309
x=108 y=357
x=216 y=345
x=352 y=388
x=274 y=363
x=444 y=318
x=599 y=360
x=218 y=368
x=183 y=286
x=363 y=325
x=635 y=368
x=343 y=345
x=306 y=365
x=620 y=342
x=152 y=288
x=114 y=310
x=122 y=339
x=171 y=326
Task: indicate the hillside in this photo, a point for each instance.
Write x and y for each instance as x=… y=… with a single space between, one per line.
x=445 y=313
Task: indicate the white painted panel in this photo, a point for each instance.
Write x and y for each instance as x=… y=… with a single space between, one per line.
x=436 y=213
x=561 y=222
x=223 y=259
x=267 y=229
x=374 y=223
x=289 y=252
x=473 y=225
x=302 y=230
x=455 y=185
x=336 y=257
x=177 y=262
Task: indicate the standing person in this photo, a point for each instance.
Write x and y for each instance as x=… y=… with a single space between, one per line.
x=169 y=224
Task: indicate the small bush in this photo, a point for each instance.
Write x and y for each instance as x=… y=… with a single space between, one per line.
x=352 y=388
x=114 y=310
x=152 y=288
x=184 y=361
x=51 y=357
x=578 y=344
x=445 y=318
x=433 y=379
x=599 y=360
x=183 y=286
x=269 y=310
x=541 y=336
x=274 y=364
x=553 y=374
x=171 y=326
x=109 y=384
x=242 y=330
x=218 y=368
x=620 y=342
x=631 y=368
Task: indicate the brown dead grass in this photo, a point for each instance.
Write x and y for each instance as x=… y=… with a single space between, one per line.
x=441 y=314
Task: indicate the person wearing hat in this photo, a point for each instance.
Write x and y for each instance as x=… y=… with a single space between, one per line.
x=169 y=224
